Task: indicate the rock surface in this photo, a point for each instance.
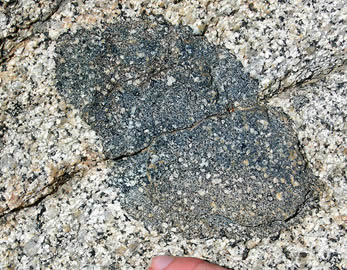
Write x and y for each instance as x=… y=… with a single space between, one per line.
x=229 y=175
x=205 y=158
x=60 y=209
x=20 y=20
x=138 y=79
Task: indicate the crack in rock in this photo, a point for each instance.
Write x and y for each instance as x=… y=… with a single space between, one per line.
x=192 y=126
x=59 y=175
x=189 y=146
x=51 y=188
x=24 y=27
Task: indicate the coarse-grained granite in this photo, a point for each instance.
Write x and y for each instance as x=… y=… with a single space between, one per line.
x=318 y=242
x=319 y=113
x=20 y=20
x=43 y=141
x=280 y=43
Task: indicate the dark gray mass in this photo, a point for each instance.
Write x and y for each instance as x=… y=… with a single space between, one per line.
x=190 y=147
x=226 y=174
x=135 y=80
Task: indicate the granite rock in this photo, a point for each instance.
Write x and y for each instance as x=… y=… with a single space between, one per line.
x=280 y=43
x=20 y=20
x=42 y=139
x=294 y=47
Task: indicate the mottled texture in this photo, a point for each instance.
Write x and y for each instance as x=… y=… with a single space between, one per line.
x=289 y=46
x=41 y=137
x=227 y=176
x=281 y=43
x=138 y=79
x=20 y=20
x=203 y=156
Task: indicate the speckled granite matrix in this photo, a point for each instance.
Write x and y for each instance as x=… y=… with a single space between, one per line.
x=296 y=48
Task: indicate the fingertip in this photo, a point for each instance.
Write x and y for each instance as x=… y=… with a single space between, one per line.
x=181 y=263
x=161 y=262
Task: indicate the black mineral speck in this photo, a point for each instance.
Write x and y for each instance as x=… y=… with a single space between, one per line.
x=190 y=146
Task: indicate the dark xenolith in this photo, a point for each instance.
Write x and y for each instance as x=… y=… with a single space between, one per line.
x=190 y=146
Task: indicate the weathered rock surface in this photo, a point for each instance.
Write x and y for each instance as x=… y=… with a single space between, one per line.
x=228 y=172
x=289 y=46
x=20 y=20
x=136 y=80
x=179 y=118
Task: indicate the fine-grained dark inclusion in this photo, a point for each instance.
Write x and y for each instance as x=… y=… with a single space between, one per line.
x=190 y=146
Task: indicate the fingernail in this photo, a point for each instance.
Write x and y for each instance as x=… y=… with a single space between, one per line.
x=161 y=262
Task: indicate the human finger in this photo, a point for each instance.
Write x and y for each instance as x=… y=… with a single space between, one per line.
x=181 y=263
